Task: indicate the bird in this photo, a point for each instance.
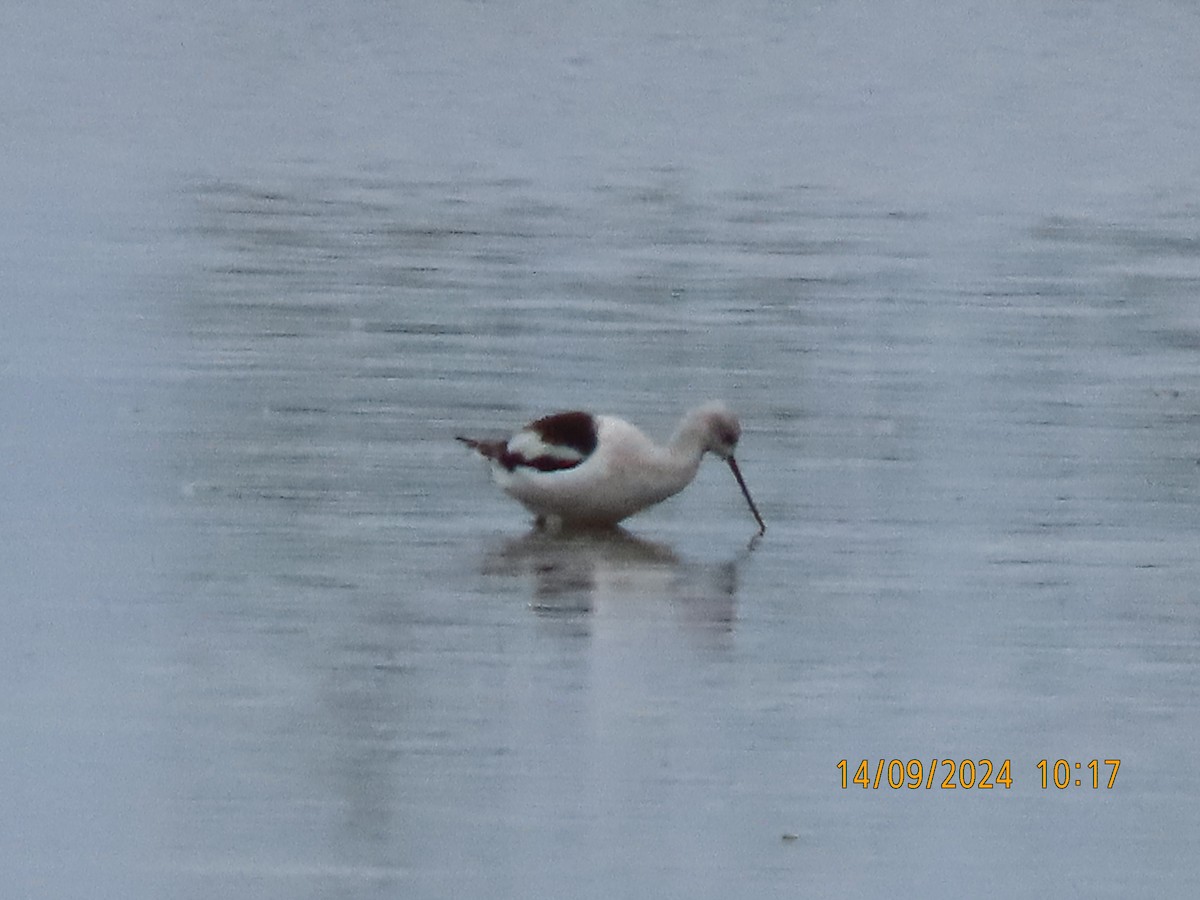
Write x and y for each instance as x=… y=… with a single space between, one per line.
x=578 y=470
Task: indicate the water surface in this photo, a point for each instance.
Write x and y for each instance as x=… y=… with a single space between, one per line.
x=272 y=633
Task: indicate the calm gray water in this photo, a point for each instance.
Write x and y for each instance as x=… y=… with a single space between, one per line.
x=271 y=633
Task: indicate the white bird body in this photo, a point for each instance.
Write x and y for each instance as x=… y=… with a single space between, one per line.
x=584 y=470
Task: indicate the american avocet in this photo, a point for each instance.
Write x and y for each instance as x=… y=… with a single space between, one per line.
x=577 y=469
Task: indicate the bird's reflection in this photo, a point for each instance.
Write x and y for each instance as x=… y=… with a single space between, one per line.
x=613 y=572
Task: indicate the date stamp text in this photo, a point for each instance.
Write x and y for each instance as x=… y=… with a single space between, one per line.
x=974 y=774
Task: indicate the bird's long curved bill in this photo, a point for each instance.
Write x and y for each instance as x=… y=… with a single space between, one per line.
x=737 y=473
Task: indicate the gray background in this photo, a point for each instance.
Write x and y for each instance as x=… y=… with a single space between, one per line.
x=269 y=632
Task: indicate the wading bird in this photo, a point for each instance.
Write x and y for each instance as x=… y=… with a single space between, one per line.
x=575 y=469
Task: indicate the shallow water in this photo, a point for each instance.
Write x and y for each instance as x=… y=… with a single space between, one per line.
x=272 y=633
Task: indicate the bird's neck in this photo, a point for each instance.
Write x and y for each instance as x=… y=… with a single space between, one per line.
x=687 y=445
x=689 y=438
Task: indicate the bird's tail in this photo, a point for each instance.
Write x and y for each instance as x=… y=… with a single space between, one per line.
x=486 y=449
